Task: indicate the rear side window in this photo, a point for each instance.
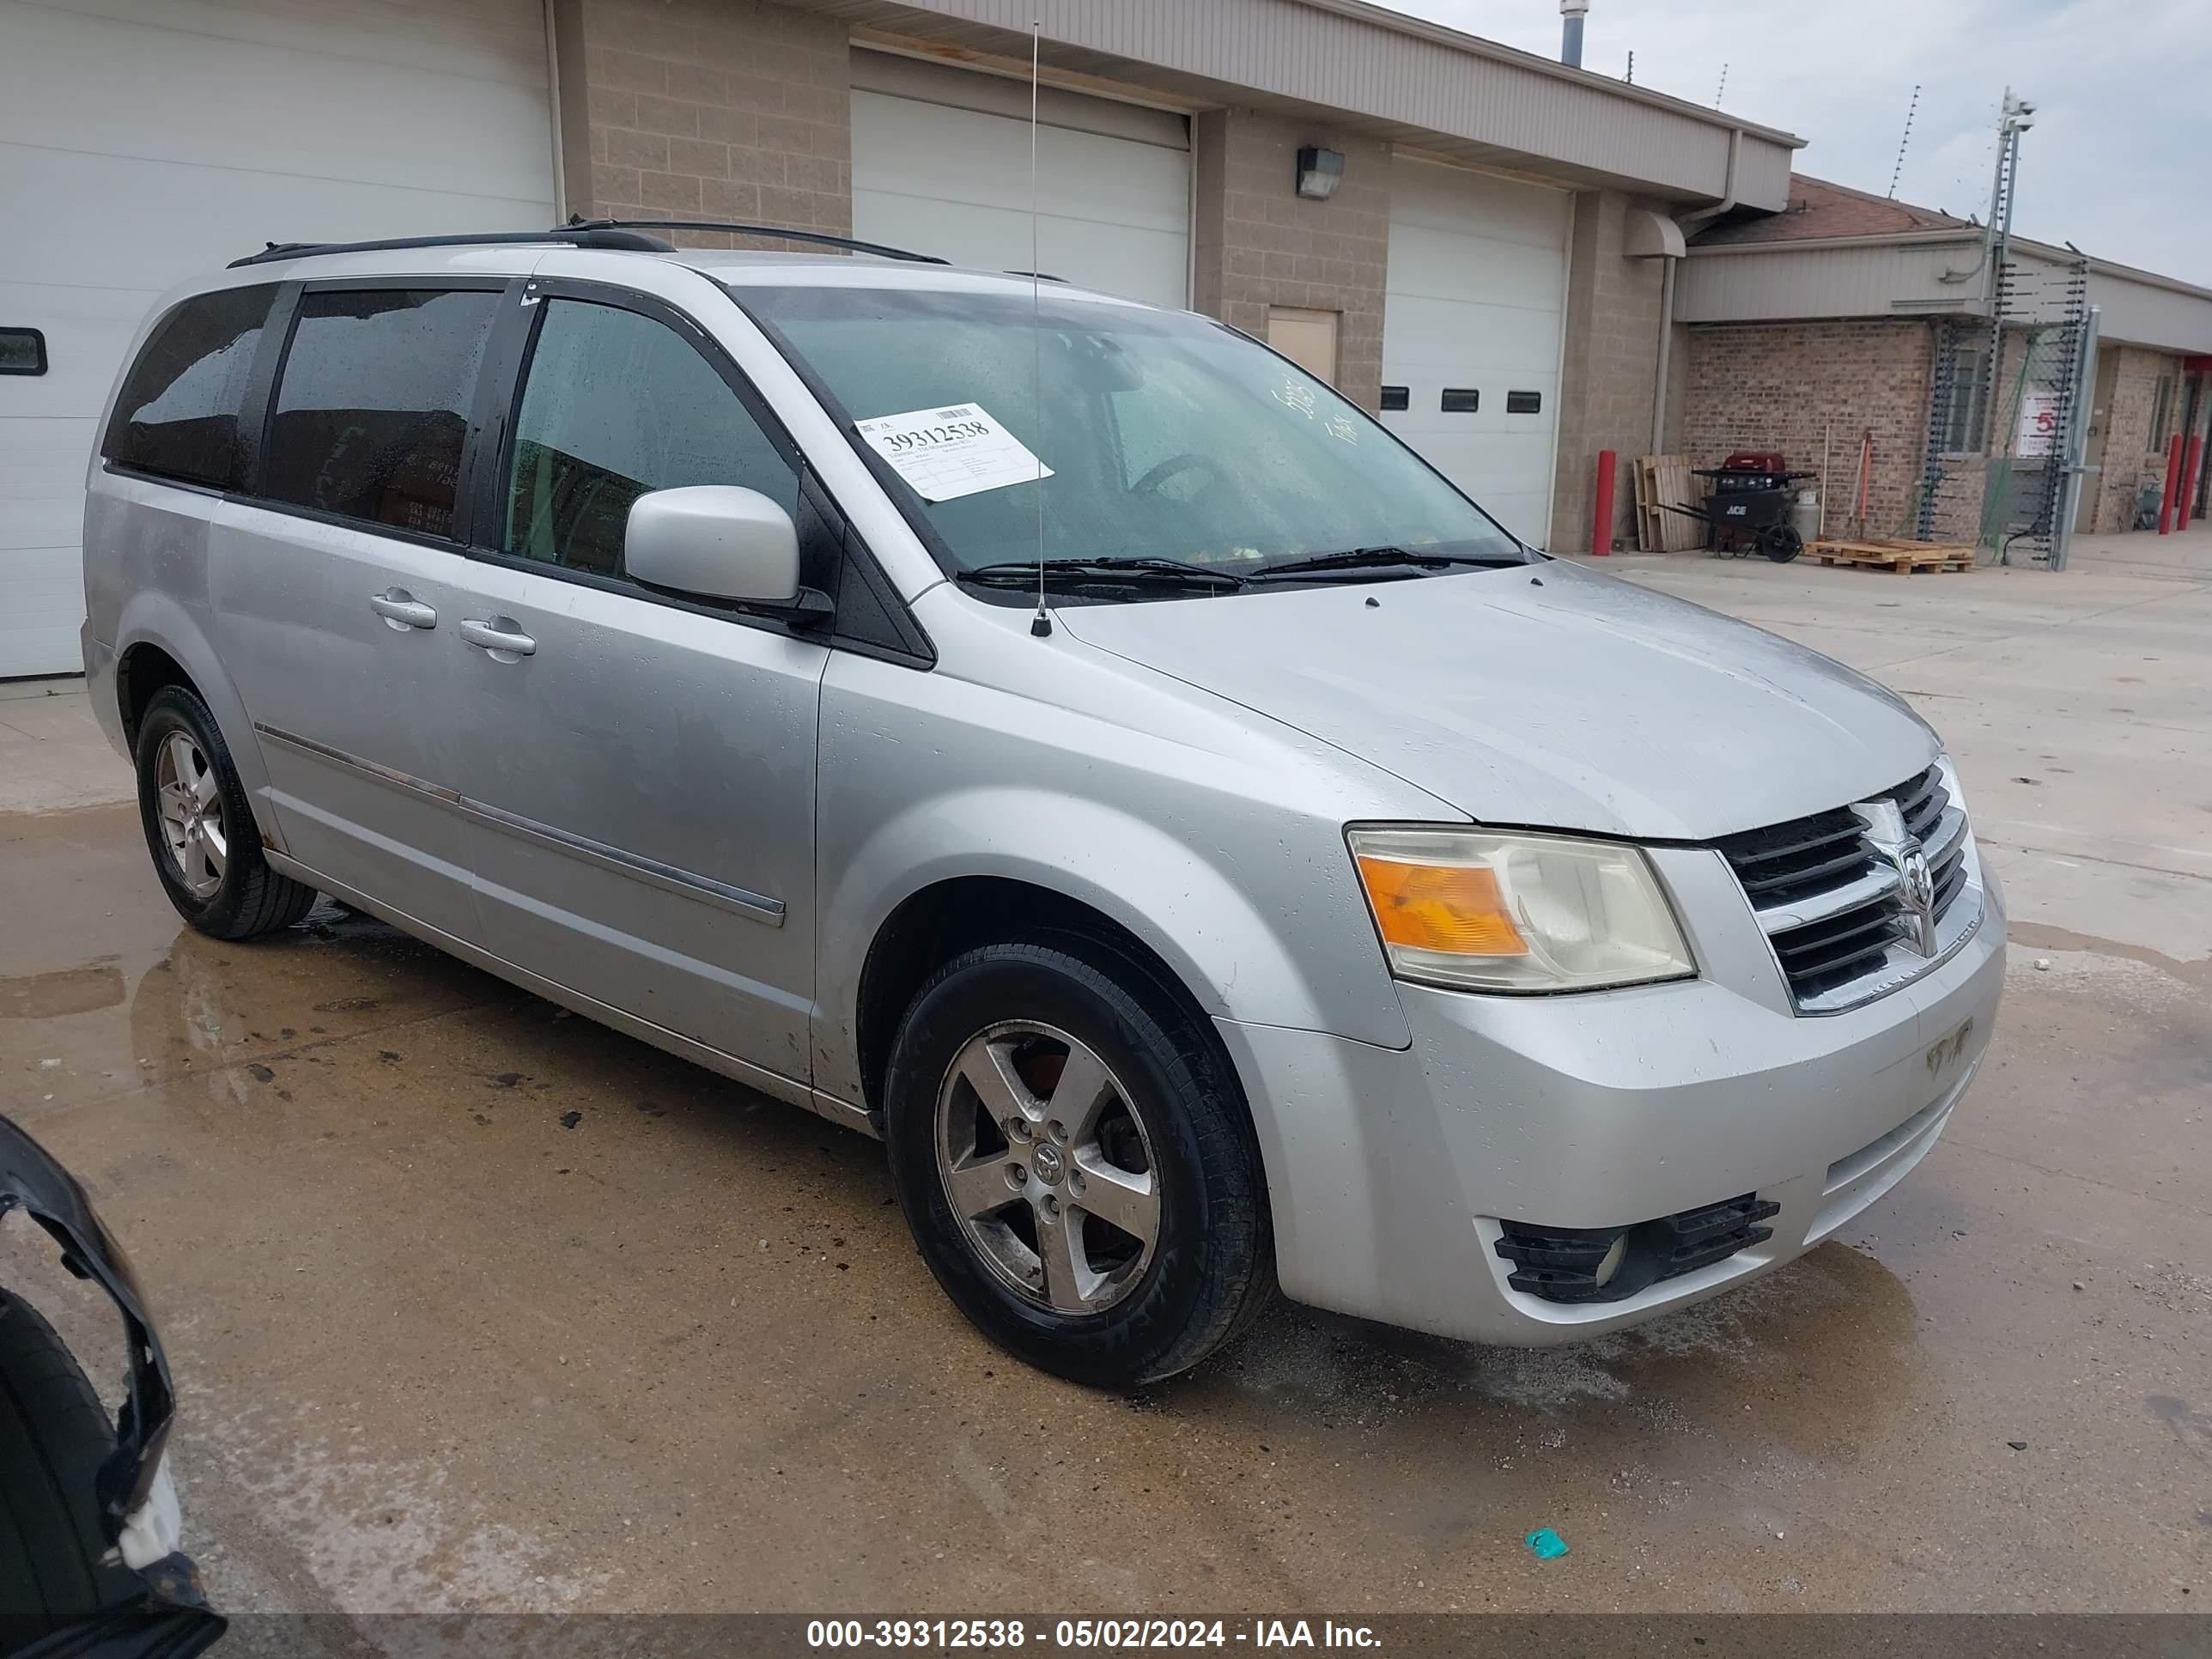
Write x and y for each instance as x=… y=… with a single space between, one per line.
x=373 y=405
x=616 y=404
x=178 y=413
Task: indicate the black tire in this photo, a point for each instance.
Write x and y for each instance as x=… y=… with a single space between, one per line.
x=53 y=1439
x=251 y=898
x=1781 y=543
x=1211 y=1271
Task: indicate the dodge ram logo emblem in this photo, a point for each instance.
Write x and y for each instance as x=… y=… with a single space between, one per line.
x=1887 y=839
x=1919 y=895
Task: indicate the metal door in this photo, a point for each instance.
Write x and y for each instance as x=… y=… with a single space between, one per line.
x=638 y=771
x=335 y=595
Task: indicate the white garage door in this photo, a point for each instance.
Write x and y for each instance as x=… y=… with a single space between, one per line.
x=1471 y=322
x=941 y=165
x=143 y=141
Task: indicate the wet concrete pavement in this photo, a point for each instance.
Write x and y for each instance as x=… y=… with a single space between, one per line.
x=478 y=1305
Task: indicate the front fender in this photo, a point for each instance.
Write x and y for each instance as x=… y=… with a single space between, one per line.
x=1236 y=960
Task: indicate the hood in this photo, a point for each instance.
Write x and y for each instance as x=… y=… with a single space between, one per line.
x=1544 y=697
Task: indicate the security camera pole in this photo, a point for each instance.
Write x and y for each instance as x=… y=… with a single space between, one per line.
x=2017 y=116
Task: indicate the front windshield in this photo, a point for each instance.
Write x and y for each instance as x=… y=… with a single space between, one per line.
x=1166 y=436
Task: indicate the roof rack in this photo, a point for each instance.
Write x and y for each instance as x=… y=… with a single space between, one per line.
x=624 y=234
x=784 y=233
x=579 y=236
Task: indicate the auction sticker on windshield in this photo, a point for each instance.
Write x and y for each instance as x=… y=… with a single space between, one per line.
x=957 y=450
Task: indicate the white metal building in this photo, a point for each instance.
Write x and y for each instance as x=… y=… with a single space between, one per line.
x=1472 y=274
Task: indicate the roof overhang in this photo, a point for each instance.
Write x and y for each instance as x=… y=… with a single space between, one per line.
x=1925 y=273
x=1358 y=67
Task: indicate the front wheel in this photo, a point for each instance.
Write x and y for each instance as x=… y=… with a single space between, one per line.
x=1076 y=1162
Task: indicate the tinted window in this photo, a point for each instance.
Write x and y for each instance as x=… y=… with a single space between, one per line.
x=373 y=405
x=616 y=404
x=178 y=413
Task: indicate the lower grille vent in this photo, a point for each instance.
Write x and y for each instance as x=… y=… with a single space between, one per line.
x=1565 y=1264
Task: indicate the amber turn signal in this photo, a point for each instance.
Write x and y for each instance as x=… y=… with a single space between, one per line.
x=1457 y=909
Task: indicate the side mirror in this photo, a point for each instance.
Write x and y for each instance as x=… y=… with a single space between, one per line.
x=714 y=542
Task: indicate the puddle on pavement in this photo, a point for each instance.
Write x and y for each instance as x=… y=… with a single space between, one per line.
x=56 y=995
x=1801 y=1363
x=2028 y=936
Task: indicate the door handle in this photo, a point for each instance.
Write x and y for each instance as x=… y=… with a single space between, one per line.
x=500 y=636
x=402 y=610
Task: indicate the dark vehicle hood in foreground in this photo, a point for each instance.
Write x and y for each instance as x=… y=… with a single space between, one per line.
x=171 y=1619
x=1545 y=696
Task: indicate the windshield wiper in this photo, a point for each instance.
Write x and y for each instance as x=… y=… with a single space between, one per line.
x=1114 y=568
x=1374 y=558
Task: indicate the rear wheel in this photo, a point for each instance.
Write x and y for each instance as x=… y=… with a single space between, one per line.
x=1076 y=1162
x=53 y=1439
x=200 y=829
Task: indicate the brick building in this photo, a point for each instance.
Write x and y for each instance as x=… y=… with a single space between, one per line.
x=1495 y=251
x=1467 y=237
x=1848 y=315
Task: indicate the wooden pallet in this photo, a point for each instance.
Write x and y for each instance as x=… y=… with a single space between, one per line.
x=1901 y=556
x=1668 y=479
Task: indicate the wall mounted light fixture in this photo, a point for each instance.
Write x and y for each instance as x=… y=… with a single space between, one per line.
x=1320 y=171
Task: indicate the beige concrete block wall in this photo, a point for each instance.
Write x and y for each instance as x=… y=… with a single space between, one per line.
x=705 y=109
x=1784 y=386
x=1610 y=371
x=1257 y=243
x=2130 y=459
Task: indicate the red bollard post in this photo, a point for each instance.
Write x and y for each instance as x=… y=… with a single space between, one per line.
x=1601 y=519
x=2172 y=485
x=2183 y=502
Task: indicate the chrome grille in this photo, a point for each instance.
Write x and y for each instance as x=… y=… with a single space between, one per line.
x=1837 y=911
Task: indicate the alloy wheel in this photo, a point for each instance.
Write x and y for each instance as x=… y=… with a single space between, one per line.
x=1047 y=1167
x=189 y=798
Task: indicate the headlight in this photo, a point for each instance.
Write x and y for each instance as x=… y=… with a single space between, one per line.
x=1479 y=911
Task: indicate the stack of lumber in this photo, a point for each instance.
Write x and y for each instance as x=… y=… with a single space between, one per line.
x=1660 y=481
x=1901 y=556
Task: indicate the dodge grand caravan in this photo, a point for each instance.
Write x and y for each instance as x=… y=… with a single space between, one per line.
x=1057 y=736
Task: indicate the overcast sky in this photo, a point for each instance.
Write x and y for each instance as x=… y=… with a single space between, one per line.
x=2114 y=164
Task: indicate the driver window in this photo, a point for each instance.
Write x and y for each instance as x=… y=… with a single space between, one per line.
x=616 y=404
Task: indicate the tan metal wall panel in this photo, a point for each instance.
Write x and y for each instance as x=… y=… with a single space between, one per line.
x=1531 y=114
x=1781 y=282
x=2144 y=313
x=1763 y=173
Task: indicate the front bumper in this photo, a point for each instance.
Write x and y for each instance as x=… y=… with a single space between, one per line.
x=1390 y=1171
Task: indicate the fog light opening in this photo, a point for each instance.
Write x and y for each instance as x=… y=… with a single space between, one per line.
x=1610 y=1264
x=1613 y=1257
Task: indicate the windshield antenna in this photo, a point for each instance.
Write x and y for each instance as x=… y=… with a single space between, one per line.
x=1040 y=624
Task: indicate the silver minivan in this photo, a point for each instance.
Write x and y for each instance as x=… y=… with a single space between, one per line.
x=1057 y=736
